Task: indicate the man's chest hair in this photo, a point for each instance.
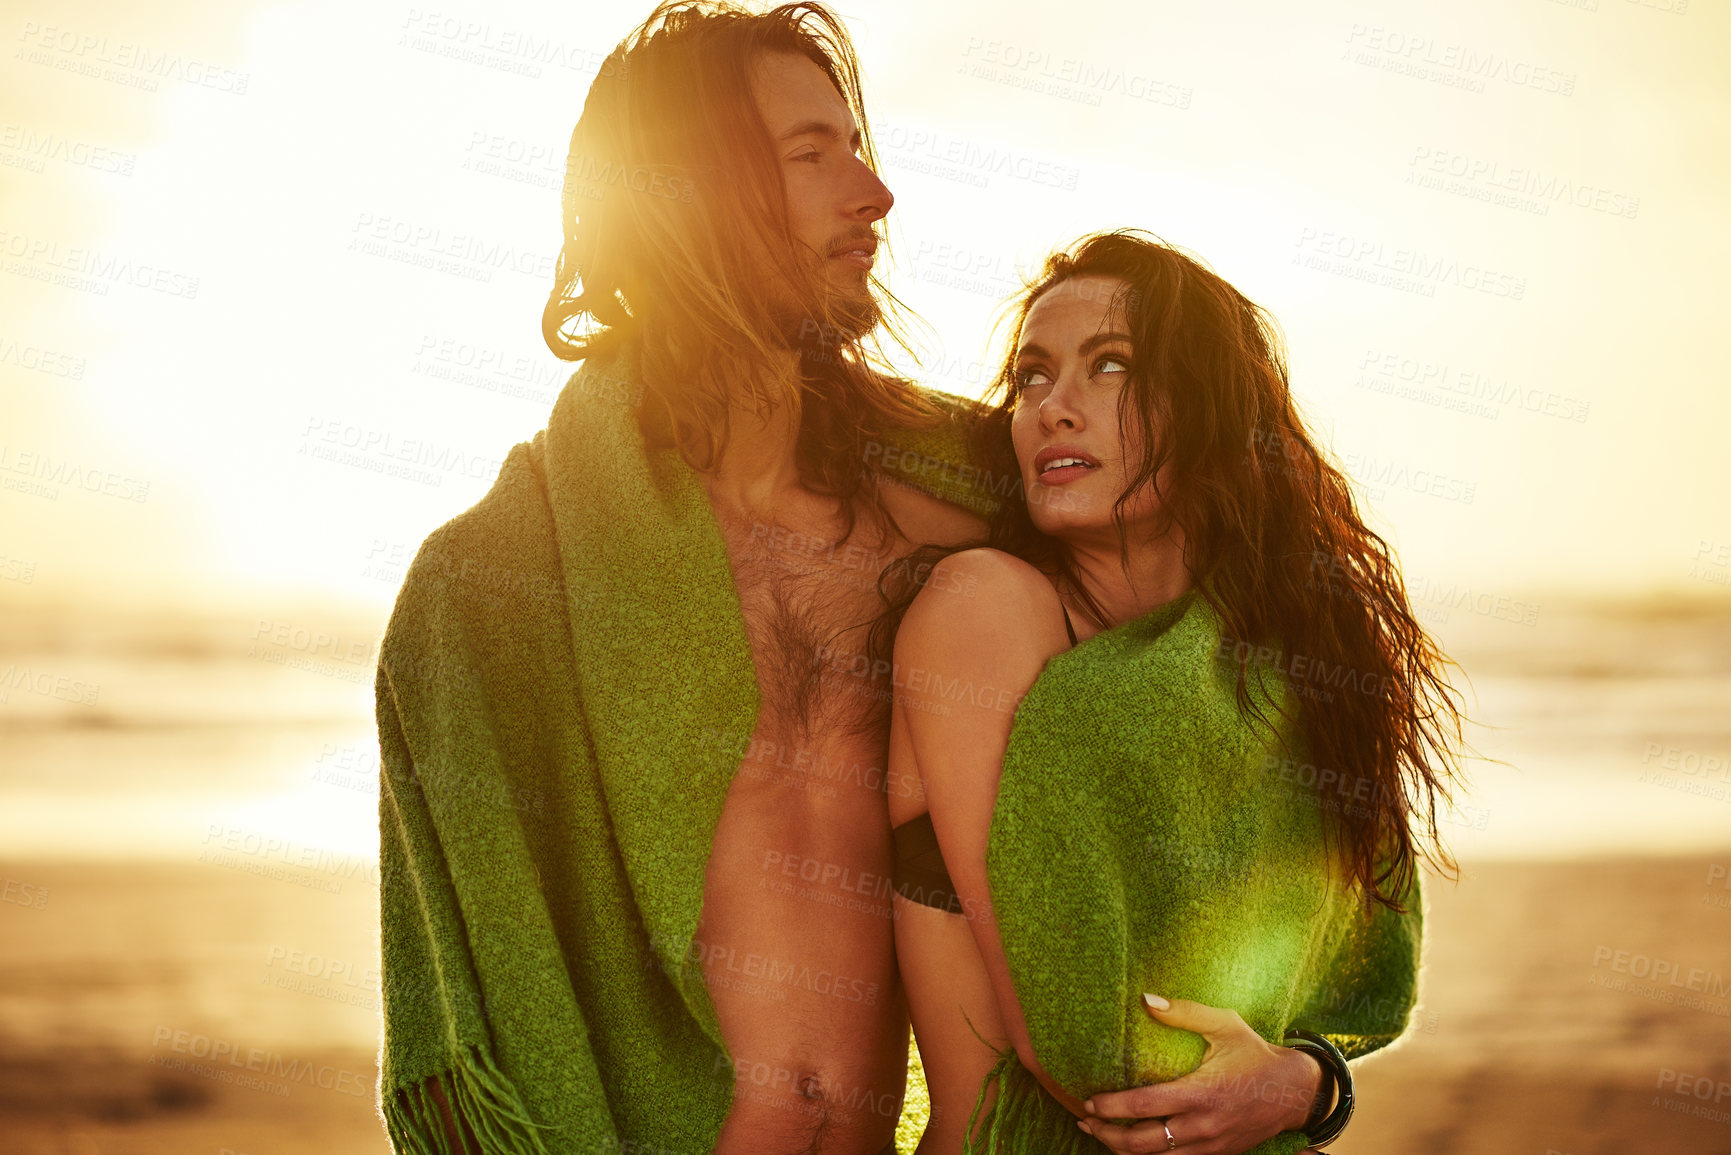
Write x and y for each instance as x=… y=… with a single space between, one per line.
x=805 y=598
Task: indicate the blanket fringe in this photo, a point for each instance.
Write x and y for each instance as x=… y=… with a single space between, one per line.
x=479 y=1095
x=1023 y=1119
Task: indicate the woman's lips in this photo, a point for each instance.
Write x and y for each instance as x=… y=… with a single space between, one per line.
x=1064 y=474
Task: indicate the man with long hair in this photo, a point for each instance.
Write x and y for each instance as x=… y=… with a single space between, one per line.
x=746 y=306
x=719 y=217
x=635 y=849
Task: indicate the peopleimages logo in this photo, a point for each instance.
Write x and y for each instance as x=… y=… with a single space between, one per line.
x=222 y=1053
x=48 y=684
x=1368 y=259
x=122 y=62
x=1513 y=186
x=1035 y=68
x=90 y=270
x=922 y=148
x=1666 y=980
x=40 y=360
x=383 y=451
x=1455 y=65
x=281 y=858
x=34 y=148
x=1460 y=386
x=48 y=471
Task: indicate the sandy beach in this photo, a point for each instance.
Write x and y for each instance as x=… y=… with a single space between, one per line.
x=134 y=996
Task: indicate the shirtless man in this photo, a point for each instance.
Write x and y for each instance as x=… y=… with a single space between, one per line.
x=797 y=877
x=809 y=798
x=798 y=872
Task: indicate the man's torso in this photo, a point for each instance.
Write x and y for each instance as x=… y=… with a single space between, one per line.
x=797 y=934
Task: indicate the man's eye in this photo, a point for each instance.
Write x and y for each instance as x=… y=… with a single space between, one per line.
x=811 y=156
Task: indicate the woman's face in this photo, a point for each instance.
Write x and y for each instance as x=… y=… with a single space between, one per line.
x=1072 y=365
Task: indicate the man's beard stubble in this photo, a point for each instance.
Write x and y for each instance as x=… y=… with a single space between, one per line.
x=853 y=313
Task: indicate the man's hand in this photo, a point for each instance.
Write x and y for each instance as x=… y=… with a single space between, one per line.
x=1246 y=1090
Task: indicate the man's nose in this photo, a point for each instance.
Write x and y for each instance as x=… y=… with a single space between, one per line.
x=873 y=200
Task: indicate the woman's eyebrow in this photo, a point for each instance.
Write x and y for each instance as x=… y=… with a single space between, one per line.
x=1033 y=350
x=1101 y=339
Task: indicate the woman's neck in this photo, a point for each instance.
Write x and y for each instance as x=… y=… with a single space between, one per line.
x=1156 y=574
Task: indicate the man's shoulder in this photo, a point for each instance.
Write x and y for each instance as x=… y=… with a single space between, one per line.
x=512 y=514
x=498 y=558
x=947 y=455
x=925 y=519
x=952 y=405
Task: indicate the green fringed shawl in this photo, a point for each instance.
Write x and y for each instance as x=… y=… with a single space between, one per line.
x=555 y=669
x=1147 y=836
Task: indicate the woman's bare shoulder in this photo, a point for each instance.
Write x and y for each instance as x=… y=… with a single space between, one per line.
x=1004 y=572
x=985 y=593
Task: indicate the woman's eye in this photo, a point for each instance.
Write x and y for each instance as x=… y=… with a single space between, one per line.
x=1123 y=365
x=1023 y=375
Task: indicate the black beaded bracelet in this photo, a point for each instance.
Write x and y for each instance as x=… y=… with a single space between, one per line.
x=1323 y=1103
x=1335 y=1069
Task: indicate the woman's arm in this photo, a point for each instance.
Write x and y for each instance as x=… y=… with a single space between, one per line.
x=969 y=648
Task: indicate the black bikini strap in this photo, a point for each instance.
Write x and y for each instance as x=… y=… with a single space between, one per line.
x=920 y=873
x=1067 y=625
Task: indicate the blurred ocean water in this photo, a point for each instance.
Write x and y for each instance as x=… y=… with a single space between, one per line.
x=165 y=740
x=1606 y=729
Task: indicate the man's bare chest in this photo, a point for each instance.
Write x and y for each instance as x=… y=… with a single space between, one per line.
x=809 y=601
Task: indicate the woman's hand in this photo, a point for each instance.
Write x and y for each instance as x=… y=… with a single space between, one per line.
x=1246 y=1090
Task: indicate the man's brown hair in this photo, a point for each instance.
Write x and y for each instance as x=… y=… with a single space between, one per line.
x=678 y=243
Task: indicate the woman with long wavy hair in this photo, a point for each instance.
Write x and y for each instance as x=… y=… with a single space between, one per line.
x=1172 y=730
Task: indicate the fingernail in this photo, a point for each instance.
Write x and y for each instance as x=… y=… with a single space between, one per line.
x=1088 y=1106
x=1156 y=1002
x=1082 y=1125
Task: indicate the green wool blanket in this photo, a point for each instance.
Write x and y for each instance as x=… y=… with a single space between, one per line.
x=556 y=669
x=1148 y=836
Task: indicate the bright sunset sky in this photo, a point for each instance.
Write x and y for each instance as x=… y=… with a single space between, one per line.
x=1494 y=233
